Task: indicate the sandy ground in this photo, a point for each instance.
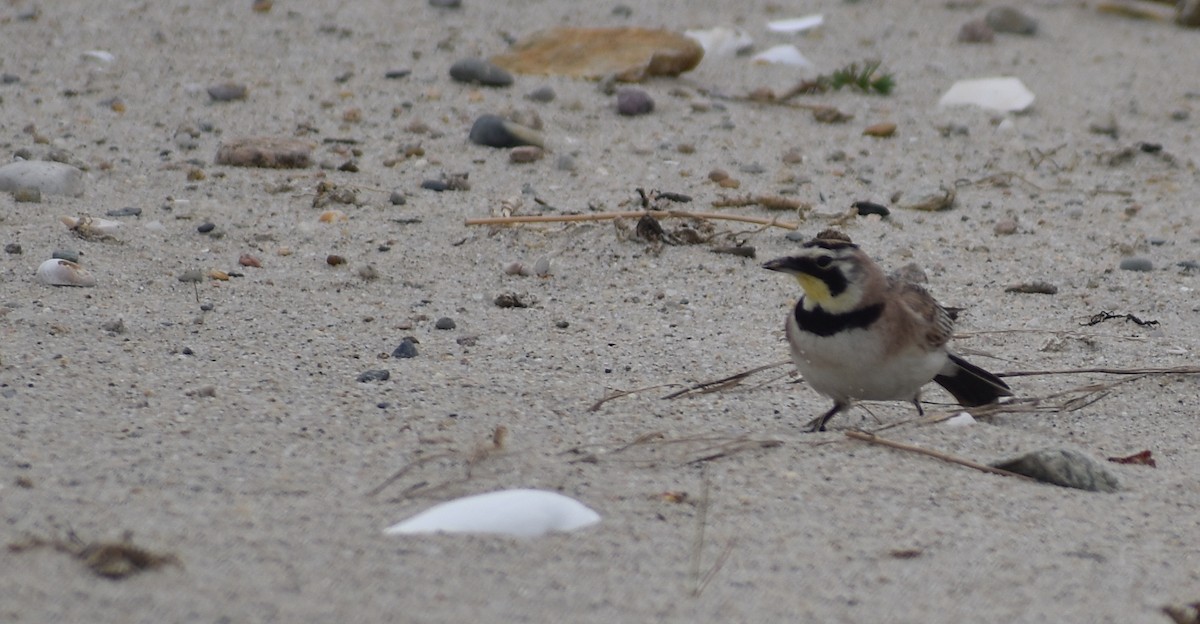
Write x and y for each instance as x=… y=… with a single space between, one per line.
x=237 y=438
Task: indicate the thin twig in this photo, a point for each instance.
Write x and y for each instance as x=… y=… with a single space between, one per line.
x=616 y=395
x=1177 y=370
x=720 y=384
x=701 y=527
x=634 y=214
x=874 y=439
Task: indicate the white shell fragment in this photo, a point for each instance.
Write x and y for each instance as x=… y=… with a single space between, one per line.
x=99 y=55
x=796 y=24
x=960 y=420
x=102 y=226
x=1005 y=94
x=783 y=55
x=51 y=178
x=56 y=272
x=722 y=40
x=520 y=513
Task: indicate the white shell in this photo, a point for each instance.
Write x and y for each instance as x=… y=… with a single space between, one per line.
x=1004 y=94
x=960 y=420
x=722 y=40
x=99 y=55
x=520 y=513
x=783 y=55
x=57 y=272
x=796 y=24
x=104 y=226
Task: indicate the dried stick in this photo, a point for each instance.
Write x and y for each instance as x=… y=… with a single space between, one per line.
x=874 y=439
x=720 y=384
x=633 y=214
x=1177 y=370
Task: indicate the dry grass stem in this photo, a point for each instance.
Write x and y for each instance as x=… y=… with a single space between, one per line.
x=874 y=439
x=632 y=214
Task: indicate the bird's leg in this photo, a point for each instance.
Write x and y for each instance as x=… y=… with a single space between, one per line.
x=818 y=424
x=917 y=404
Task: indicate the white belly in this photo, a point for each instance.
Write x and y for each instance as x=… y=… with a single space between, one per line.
x=851 y=365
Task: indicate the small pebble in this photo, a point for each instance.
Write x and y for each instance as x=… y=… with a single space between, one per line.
x=435 y=185
x=397 y=198
x=13 y=248
x=1005 y=227
x=494 y=131
x=114 y=327
x=479 y=71
x=931 y=200
x=562 y=324
x=227 y=92
x=192 y=275
x=633 y=101
x=129 y=211
x=976 y=31
x=267 y=152
x=1186 y=265
x=1180 y=115
x=374 y=375
x=368 y=273
x=792 y=157
x=1136 y=264
x=445 y=4
x=525 y=154
x=70 y=255
x=510 y=300
x=865 y=208
x=880 y=130
x=542 y=94
x=7 y=78
x=396 y=74
x=205 y=228
x=564 y=162
x=334 y=260
x=445 y=323
x=406 y=349
x=1009 y=20
x=248 y=260
x=541 y=268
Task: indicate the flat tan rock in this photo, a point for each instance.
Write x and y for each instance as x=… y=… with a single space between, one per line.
x=631 y=54
x=267 y=152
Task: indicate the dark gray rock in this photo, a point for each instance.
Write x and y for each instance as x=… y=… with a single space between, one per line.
x=1010 y=20
x=1136 y=264
x=632 y=101
x=479 y=71
x=1063 y=467
x=494 y=131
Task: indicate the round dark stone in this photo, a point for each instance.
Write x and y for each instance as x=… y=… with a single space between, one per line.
x=205 y=228
x=435 y=185
x=445 y=323
x=634 y=101
x=70 y=255
x=479 y=71
x=397 y=198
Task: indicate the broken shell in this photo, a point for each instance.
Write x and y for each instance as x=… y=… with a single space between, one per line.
x=1005 y=94
x=218 y=274
x=56 y=272
x=519 y=513
x=101 y=226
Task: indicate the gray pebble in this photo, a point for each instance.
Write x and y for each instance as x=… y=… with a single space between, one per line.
x=70 y=255
x=445 y=323
x=374 y=375
x=407 y=349
x=435 y=185
x=50 y=178
x=542 y=94
x=206 y=227
x=1063 y=467
x=1136 y=264
x=227 y=92
x=7 y=78
x=976 y=31
x=128 y=211
x=494 y=131
x=865 y=208
x=192 y=275
x=396 y=74
x=1180 y=115
x=525 y=154
x=564 y=162
x=752 y=168
x=1186 y=265
x=1009 y=20
x=633 y=101
x=446 y=4
x=397 y=198
x=114 y=327
x=796 y=236
x=13 y=248
x=562 y=324
x=474 y=70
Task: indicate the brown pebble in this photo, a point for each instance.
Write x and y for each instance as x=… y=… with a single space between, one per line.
x=685 y=148
x=248 y=260
x=333 y=216
x=793 y=157
x=269 y=152
x=526 y=154
x=1004 y=227
x=729 y=183
x=976 y=31
x=881 y=130
x=716 y=175
x=334 y=260
x=195 y=174
x=218 y=274
x=352 y=115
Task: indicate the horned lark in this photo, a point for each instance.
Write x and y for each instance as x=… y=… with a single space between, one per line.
x=859 y=334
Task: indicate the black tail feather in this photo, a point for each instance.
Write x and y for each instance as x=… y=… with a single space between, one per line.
x=972 y=386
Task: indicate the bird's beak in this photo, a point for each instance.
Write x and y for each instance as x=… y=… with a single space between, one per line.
x=775 y=265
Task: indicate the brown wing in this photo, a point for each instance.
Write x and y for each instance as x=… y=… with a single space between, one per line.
x=931 y=319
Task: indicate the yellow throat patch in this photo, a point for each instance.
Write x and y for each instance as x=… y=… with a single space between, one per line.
x=816 y=293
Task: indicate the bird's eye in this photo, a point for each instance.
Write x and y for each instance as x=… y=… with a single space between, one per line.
x=824 y=262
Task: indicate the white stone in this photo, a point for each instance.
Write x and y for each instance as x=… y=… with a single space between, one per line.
x=1004 y=94
x=519 y=513
x=51 y=178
